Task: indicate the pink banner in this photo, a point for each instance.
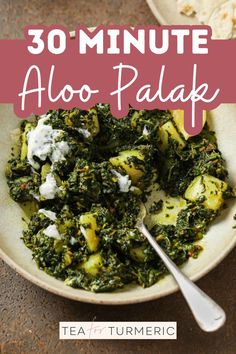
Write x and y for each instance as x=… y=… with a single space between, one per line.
x=166 y=67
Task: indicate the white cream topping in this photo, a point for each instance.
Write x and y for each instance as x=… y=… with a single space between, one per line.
x=60 y=149
x=51 y=231
x=84 y=132
x=123 y=181
x=145 y=131
x=72 y=240
x=49 y=188
x=42 y=144
x=48 y=213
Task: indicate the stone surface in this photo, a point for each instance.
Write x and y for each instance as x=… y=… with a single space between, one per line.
x=30 y=318
x=29 y=315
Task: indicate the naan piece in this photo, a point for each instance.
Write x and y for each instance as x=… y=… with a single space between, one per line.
x=219 y=14
x=223 y=21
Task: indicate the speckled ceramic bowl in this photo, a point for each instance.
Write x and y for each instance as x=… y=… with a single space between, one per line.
x=217 y=243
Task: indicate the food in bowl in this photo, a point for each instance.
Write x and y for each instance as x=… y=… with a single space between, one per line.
x=219 y=14
x=82 y=174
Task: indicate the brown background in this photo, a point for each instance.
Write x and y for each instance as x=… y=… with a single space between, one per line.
x=30 y=315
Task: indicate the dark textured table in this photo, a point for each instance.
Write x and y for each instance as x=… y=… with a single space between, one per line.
x=30 y=315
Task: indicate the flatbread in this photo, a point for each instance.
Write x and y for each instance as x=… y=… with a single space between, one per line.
x=223 y=20
x=219 y=14
x=203 y=9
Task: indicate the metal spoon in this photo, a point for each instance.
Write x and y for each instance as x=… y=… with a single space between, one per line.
x=207 y=313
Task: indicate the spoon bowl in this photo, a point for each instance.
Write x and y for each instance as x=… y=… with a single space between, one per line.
x=207 y=313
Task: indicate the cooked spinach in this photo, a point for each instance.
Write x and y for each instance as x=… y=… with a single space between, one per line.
x=88 y=172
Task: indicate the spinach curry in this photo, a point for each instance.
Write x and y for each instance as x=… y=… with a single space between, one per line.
x=86 y=173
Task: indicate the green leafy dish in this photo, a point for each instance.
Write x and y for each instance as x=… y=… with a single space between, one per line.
x=82 y=174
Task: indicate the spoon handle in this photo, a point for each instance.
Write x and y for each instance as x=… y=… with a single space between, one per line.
x=207 y=313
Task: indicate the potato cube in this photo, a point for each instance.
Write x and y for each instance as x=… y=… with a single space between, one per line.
x=209 y=187
x=88 y=227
